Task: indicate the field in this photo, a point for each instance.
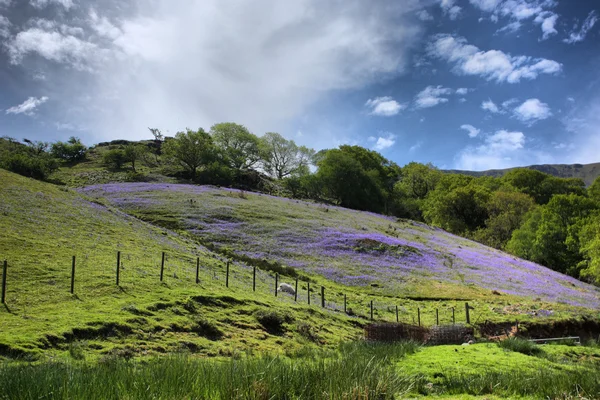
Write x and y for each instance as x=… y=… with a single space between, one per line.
x=178 y=338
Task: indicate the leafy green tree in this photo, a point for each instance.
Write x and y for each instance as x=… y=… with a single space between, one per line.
x=550 y=236
x=590 y=248
x=70 y=151
x=506 y=211
x=134 y=152
x=282 y=157
x=461 y=210
x=240 y=148
x=344 y=179
x=31 y=160
x=542 y=186
x=415 y=183
x=191 y=149
x=594 y=190
x=114 y=158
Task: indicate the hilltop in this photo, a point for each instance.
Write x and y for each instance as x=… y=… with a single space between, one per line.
x=587 y=172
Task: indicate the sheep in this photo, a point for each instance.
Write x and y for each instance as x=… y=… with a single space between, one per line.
x=287 y=288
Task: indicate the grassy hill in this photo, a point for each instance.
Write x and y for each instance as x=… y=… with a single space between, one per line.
x=359 y=256
x=587 y=172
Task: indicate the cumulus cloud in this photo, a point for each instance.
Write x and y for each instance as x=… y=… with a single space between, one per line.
x=424 y=16
x=431 y=96
x=490 y=106
x=172 y=64
x=486 y=5
x=4 y=27
x=500 y=150
x=532 y=110
x=28 y=107
x=578 y=35
x=384 y=106
x=450 y=8
x=383 y=142
x=492 y=64
x=547 y=22
x=462 y=91
x=473 y=132
x=43 y=3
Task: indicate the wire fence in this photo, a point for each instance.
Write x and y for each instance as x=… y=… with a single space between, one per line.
x=97 y=271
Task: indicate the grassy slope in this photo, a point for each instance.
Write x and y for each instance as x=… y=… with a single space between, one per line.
x=362 y=250
x=42 y=226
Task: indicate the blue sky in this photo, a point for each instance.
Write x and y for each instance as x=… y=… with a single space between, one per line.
x=469 y=84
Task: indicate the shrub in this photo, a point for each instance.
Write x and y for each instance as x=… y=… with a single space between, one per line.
x=72 y=150
x=115 y=158
x=308 y=331
x=273 y=321
x=521 y=346
x=207 y=329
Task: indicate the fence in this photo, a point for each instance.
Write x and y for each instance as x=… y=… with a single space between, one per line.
x=91 y=273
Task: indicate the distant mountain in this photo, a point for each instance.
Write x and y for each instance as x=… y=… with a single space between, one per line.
x=587 y=172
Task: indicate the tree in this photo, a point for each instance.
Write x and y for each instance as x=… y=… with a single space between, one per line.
x=506 y=211
x=134 y=152
x=282 y=157
x=71 y=151
x=542 y=186
x=31 y=160
x=114 y=158
x=590 y=248
x=191 y=149
x=240 y=148
x=344 y=179
x=594 y=190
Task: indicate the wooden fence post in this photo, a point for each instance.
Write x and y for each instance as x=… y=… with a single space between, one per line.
x=437 y=317
x=467 y=313
x=453 y=318
x=345 y=305
x=276 y=282
x=254 y=279
x=296 y=291
x=308 y=290
x=118 y=266
x=162 y=266
x=322 y=297
x=73 y=276
x=227 y=274
x=4 y=272
x=397 y=319
x=371 y=310
x=419 y=316
x=197 y=270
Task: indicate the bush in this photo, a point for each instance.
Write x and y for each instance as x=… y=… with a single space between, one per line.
x=521 y=346
x=207 y=329
x=308 y=332
x=115 y=158
x=273 y=321
x=72 y=150
x=37 y=167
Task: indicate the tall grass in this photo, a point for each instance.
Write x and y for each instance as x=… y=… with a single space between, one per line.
x=356 y=371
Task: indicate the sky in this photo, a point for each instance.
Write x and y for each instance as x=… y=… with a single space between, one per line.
x=461 y=84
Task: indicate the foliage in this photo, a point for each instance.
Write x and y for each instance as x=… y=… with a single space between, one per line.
x=70 y=151
x=240 y=148
x=519 y=345
x=273 y=321
x=282 y=157
x=191 y=149
x=31 y=160
x=133 y=153
x=115 y=158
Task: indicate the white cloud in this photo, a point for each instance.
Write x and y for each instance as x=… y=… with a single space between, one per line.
x=383 y=142
x=462 y=91
x=583 y=131
x=415 y=147
x=431 y=96
x=28 y=106
x=486 y=5
x=43 y=3
x=52 y=45
x=511 y=27
x=171 y=64
x=384 y=106
x=532 y=110
x=424 y=16
x=5 y=3
x=578 y=36
x=571 y=99
x=547 y=21
x=503 y=149
x=490 y=106
x=473 y=132
x=492 y=64
x=4 y=27
x=450 y=8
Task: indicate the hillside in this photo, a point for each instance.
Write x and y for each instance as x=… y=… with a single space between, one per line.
x=587 y=172
x=394 y=258
x=362 y=257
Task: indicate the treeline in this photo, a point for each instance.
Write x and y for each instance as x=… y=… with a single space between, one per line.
x=552 y=221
